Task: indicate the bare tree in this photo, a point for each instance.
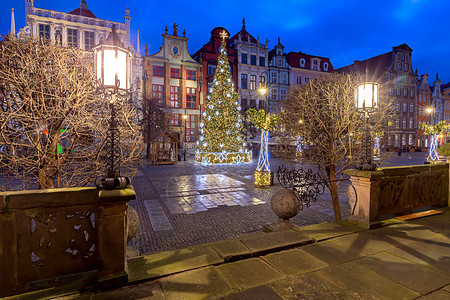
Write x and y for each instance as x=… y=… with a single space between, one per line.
x=53 y=126
x=321 y=123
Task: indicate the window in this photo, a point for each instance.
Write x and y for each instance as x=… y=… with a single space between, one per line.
x=325 y=66
x=397 y=123
x=411 y=122
x=191 y=98
x=399 y=66
x=253 y=60
x=262 y=80
x=411 y=139
x=244 y=104
x=283 y=78
x=315 y=65
x=174 y=73
x=405 y=92
x=302 y=62
x=397 y=140
x=244 y=81
x=397 y=106
x=411 y=107
x=44 y=31
x=273 y=94
x=399 y=78
x=211 y=69
x=253 y=82
x=279 y=62
x=273 y=77
x=403 y=57
x=72 y=37
x=406 y=67
x=404 y=123
x=299 y=79
x=158 y=93
x=391 y=91
x=174 y=120
x=158 y=71
x=405 y=107
x=412 y=93
x=174 y=96
x=398 y=92
x=191 y=128
x=191 y=74
x=282 y=94
x=89 y=40
x=306 y=79
x=244 y=58
x=262 y=61
x=252 y=103
x=403 y=139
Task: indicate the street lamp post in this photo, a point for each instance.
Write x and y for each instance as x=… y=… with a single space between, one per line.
x=366 y=100
x=113 y=72
x=432 y=153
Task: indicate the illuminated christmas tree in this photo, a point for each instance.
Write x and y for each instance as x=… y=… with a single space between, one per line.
x=222 y=138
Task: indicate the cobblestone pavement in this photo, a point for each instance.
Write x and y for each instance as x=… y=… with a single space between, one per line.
x=189 y=203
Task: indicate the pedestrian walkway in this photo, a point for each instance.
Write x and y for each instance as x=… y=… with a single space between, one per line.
x=401 y=260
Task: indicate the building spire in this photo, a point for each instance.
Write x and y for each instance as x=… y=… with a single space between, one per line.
x=243 y=24
x=138 y=44
x=13 y=24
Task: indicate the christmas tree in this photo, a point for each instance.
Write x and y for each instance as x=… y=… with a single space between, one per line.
x=221 y=138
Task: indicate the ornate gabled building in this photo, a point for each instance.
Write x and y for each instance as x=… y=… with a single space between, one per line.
x=305 y=67
x=79 y=28
x=279 y=77
x=172 y=80
x=207 y=55
x=393 y=71
x=252 y=68
x=424 y=102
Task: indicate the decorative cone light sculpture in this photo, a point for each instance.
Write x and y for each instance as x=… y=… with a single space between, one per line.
x=113 y=71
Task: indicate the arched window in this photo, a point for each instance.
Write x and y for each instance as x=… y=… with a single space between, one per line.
x=325 y=66
x=302 y=62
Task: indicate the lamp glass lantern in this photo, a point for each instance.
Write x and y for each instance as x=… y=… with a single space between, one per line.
x=366 y=95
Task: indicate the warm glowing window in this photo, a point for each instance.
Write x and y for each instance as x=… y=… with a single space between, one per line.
x=191 y=74
x=253 y=82
x=191 y=98
x=174 y=73
x=174 y=96
x=158 y=71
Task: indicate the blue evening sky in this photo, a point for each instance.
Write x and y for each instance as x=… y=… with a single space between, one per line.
x=343 y=30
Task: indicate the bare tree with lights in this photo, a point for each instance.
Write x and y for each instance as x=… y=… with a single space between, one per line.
x=52 y=124
x=320 y=118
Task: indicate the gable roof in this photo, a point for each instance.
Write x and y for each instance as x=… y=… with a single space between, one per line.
x=83 y=10
x=373 y=67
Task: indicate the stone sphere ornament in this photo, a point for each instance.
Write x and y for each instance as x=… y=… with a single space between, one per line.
x=132 y=223
x=284 y=204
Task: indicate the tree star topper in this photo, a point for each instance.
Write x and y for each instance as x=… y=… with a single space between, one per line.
x=223 y=35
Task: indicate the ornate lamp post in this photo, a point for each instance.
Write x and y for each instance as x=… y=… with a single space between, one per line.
x=113 y=73
x=366 y=100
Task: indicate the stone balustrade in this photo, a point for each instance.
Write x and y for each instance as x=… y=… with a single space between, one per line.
x=54 y=237
x=396 y=190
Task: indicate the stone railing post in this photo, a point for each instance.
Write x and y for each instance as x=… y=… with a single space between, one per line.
x=365 y=210
x=8 y=249
x=112 y=235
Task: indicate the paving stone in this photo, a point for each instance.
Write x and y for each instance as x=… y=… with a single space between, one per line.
x=421 y=279
x=438 y=295
x=308 y=286
x=170 y=262
x=248 y=273
x=148 y=290
x=231 y=250
x=439 y=242
x=202 y=283
x=294 y=262
x=424 y=256
x=264 y=242
x=328 y=230
x=262 y=292
x=447 y=288
x=158 y=217
x=332 y=253
x=368 y=243
x=361 y=283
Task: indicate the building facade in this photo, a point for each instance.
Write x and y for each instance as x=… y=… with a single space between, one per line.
x=393 y=71
x=252 y=68
x=305 y=67
x=82 y=29
x=172 y=81
x=424 y=102
x=279 y=77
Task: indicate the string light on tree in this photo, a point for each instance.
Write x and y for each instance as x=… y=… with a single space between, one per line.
x=222 y=127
